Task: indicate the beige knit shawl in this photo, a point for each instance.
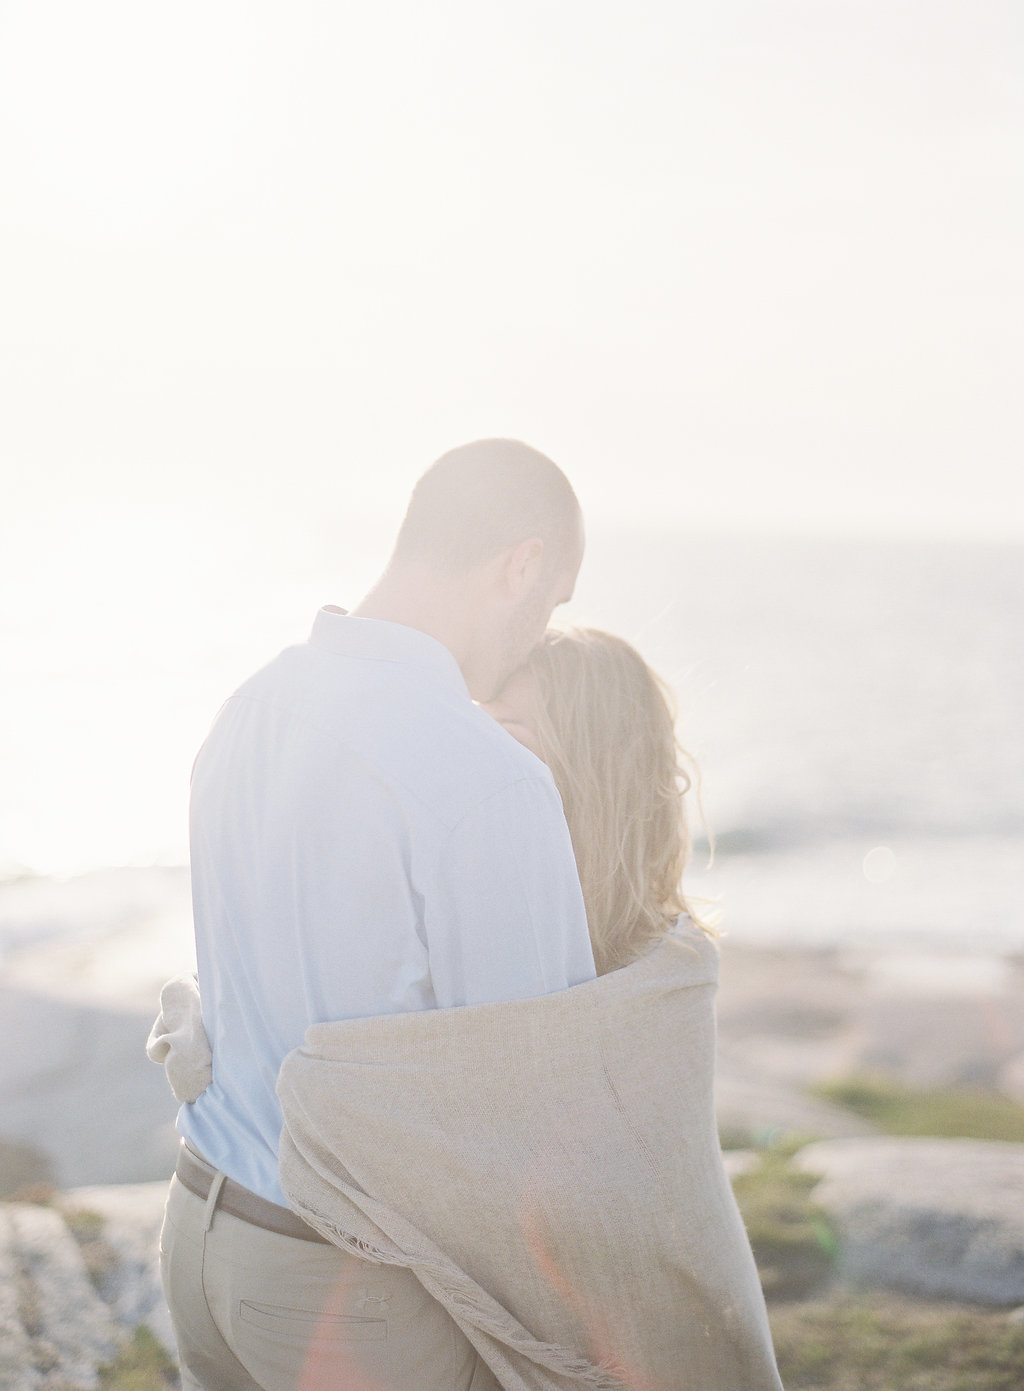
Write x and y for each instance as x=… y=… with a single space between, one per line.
x=550 y=1171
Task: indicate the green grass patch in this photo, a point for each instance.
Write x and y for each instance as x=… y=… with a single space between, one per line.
x=950 y=1112
x=142 y=1365
x=885 y=1343
x=98 y=1255
x=777 y=1138
x=794 y=1246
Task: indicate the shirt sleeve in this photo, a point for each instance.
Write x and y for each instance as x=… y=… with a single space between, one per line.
x=504 y=918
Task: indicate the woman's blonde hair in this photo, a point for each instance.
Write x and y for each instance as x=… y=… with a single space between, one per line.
x=607 y=731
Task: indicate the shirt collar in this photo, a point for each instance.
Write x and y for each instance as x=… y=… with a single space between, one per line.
x=373 y=639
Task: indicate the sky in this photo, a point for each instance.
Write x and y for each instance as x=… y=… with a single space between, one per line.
x=738 y=266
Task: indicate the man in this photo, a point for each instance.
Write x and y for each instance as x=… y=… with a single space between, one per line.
x=366 y=841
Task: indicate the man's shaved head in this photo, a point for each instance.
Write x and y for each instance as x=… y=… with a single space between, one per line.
x=481 y=498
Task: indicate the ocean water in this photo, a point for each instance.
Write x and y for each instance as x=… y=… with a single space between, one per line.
x=855 y=707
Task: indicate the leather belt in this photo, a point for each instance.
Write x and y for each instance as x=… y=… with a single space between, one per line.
x=195 y=1174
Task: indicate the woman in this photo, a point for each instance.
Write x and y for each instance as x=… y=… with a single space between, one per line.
x=557 y=1183
x=549 y=1169
x=590 y=707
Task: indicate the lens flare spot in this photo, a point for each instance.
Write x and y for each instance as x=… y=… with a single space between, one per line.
x=879 y=865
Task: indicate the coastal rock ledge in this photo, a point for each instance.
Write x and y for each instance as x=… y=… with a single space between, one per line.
x=935 y=1218
x=76 y=1280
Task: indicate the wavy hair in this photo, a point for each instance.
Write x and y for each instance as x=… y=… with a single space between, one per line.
x=606 y=726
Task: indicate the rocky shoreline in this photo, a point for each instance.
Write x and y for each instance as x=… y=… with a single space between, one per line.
x=79 y=1275
x=87 y=1138
x=936 y=1219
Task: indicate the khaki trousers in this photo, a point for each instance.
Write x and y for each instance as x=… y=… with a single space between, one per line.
x=255 y=1311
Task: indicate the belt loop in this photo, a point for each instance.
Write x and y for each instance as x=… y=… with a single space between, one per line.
x=211 y=1200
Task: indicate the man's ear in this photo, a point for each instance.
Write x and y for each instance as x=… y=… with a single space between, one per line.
x=521 y=566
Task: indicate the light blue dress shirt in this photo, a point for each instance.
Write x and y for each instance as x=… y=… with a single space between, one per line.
x=365 y=840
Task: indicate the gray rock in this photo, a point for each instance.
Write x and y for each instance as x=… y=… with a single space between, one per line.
x=931 y=1019
x=57 y=1057
x=932 y=1217
x=943 y=1042
x=129 y=1278
x=754 y=1108
x=61 y=1332
x=1011 y=1078
x=17 y=1364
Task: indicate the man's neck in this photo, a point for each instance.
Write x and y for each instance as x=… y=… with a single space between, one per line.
x=422 y=600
